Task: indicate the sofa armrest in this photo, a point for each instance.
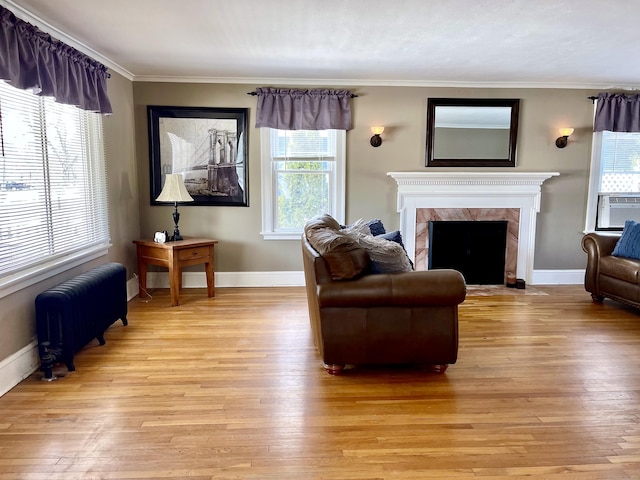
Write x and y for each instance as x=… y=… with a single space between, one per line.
x=600 y=245
x=407 y=289
x=596 y=246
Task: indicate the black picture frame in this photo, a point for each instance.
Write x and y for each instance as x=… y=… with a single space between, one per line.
x=209 y=146
x=464 y=141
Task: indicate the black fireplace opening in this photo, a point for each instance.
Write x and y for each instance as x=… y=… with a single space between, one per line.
x=477 y=249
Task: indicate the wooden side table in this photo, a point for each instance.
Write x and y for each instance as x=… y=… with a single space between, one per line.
x=175 y=256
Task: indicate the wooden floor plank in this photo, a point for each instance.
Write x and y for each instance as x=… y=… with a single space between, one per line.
x=547 y=386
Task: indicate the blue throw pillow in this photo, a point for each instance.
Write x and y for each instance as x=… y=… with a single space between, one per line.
x=394 y=236
x=376 y=227
x=629 y=243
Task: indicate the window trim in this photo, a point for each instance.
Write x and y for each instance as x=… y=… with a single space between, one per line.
x=268 y=186
x=594 y=181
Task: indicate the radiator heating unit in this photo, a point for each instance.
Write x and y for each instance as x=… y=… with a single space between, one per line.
x=72 y=314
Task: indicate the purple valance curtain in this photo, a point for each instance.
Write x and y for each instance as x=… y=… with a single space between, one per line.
x=617 y=112
x=32 y=59
x=293 y=109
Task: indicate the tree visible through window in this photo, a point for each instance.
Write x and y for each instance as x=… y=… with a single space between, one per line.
x=303 y=176
x=302 y=192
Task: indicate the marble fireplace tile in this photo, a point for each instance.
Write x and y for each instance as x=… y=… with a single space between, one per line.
x=424 y=215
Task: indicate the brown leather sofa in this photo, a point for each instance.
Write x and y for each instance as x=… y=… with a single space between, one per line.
x=361 y=318
x=617 y=278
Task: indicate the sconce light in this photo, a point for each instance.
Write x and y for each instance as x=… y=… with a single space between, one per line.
x=561 y=141
x=376 y=140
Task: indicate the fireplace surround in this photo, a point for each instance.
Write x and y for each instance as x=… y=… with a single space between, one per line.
x=471 y=196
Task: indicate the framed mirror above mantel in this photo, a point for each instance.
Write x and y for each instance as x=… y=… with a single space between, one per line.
x=470 y=132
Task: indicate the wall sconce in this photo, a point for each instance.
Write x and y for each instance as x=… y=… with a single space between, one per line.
x=561 y=141
x=376 y=140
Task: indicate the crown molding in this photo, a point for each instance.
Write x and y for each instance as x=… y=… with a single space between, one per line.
x=29 y=17
x=361 y=82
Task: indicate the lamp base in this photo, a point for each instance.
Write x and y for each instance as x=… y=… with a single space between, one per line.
x=176 y=219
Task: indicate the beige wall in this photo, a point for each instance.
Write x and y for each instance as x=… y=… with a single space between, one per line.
x=17 y=311
x=370 y=192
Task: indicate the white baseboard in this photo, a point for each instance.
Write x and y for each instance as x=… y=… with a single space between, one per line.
x=296 y=279
x=230 y=279
x=132 y=288
x=18 y=366
x=558 y=277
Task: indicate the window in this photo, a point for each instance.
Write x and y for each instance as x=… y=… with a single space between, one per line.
x=302 y=176
x=614 y=188
x=53 y=202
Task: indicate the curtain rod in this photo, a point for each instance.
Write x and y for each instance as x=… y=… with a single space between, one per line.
x=253 y=94
x=592 y=98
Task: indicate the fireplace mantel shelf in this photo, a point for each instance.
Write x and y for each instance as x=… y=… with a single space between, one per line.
x=473 y=190
x=471 y=178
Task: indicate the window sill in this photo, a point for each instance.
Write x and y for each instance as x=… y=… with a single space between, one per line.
x=281 y=235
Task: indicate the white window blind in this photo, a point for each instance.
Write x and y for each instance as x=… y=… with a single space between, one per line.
x=620 y=162
x=303 y=144
x=53 y=198
x=303 y=176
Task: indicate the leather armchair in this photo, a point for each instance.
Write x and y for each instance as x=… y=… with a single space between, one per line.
x=608 y=276
x=360 y=318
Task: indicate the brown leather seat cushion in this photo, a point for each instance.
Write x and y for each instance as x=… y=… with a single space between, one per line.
x=627 y=269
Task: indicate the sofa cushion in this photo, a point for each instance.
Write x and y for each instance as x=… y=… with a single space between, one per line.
x=629 y=243
x=344 y=257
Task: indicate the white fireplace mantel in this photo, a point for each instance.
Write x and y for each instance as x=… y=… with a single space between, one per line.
x=485 y=190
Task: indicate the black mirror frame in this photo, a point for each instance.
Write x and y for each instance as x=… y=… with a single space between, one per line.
x=432 y=103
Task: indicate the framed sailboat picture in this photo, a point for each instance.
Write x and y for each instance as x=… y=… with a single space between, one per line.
x=207 y=146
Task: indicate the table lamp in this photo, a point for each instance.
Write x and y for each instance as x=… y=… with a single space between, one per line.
x=174 y=191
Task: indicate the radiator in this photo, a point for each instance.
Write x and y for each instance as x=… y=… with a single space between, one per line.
x=72 y=314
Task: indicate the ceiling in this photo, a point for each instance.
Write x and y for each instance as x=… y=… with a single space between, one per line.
x=489 y=43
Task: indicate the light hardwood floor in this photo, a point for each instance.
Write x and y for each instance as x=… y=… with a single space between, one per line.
x=546 y=386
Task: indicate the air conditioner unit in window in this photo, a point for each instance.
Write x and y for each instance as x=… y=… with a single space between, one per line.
x=615 y=208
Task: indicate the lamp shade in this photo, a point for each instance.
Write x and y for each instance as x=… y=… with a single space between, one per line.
x=174 y=190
